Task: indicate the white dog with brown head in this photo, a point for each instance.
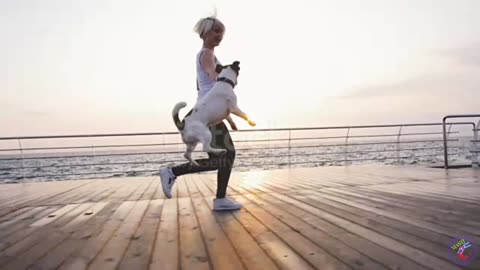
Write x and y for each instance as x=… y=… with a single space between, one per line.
x=213 y=108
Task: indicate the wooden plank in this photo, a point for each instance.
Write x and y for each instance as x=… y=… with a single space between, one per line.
x=138 y=253
x=9 y=216
x=102 y=195
x=411 y=207
x=204 y=190
x=250 y=252
x=143 y=183
x=416 y=207
x=404 y=232
x=79 y=195
x=181 y=187
x=98 y=189
x=25 y=252
x=21 y=229
x=87 y=214
x=441 y=205
x=56 y=194
x=36 y=193
x=191 y=187
x=80 y=259
x=28 y=214
x=75 y=237
x=150 y=192
x=418 y=256
x=451 y=231
x=111 y=254
x=310 y=252
x=55 y=215
x=222 y=254
x=165 y=253
x=348 y=255
x=122 y=192
x=280 y=252
x=209 y=188
x=193 y=254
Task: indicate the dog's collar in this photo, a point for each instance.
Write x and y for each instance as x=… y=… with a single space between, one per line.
x=223 y=79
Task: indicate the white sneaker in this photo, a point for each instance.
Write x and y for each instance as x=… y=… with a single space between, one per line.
x=225 y=204
x=168 y=179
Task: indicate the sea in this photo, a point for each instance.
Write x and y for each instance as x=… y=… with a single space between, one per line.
x=104 y=160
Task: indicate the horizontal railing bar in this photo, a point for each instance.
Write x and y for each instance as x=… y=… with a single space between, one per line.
x=236 y=141
x=238 y=149
x=396 y=135
x=350 y=144
x=254 y=164
x=238 y=157
x=85 y=165
x=89 y=147
x=90 y=173
x=89 y=135
x=248 y=130
x=349 y=160
x=341 y=153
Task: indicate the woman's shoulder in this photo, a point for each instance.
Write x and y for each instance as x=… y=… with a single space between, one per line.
x=205 y=51
x=206 y=55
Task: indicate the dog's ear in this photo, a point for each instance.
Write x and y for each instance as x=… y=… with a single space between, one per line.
x=236 y=65
x=218 y=68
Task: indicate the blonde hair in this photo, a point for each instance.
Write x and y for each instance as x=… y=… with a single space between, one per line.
x=205 y=24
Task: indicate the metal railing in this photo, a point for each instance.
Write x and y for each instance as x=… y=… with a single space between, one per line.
x=474 y=141
x=92 y=160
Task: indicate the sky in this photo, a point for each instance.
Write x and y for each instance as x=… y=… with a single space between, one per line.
x=108 y=66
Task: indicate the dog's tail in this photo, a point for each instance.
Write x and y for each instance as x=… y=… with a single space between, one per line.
x=180 y=124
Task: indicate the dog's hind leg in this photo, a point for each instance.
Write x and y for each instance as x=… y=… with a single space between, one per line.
x=188 y=154
x=206 y=140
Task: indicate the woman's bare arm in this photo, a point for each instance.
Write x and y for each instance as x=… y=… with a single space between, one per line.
x=208 y=63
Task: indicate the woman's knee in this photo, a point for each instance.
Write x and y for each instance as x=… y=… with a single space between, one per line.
x=225 y=160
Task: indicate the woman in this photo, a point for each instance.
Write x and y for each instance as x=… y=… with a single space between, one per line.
x=211 y=31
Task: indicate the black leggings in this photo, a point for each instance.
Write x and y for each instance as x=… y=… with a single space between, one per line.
x=223 y=162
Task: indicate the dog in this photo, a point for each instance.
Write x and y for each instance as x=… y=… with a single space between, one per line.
x=213 y=108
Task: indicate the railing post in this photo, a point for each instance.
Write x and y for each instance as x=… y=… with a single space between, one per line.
x=346 y=147
x=289 y=139
x=448 y=131
x=475 y=148
x=93 y=162
x=23 y=160
x=398 y=144
x=445 y=150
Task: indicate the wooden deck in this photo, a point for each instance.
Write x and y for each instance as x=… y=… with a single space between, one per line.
x=358 y=217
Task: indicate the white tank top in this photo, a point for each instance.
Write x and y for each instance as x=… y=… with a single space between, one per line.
x=204 y=83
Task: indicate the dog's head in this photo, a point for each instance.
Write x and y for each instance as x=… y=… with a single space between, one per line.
x=229 y=71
